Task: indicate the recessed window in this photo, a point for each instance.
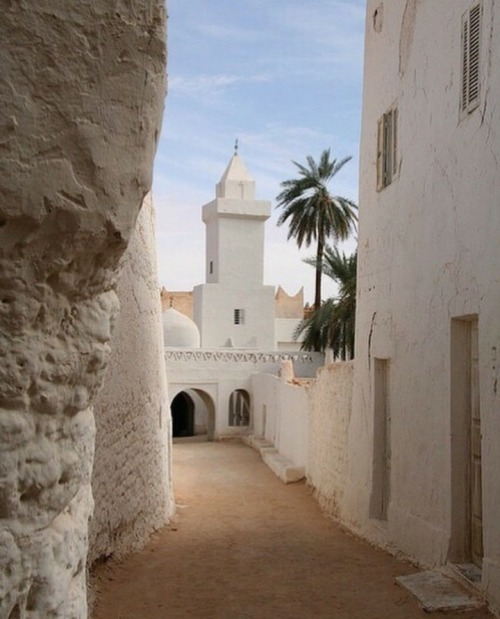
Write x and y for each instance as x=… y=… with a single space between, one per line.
x=387 y=148
x=378 y=18
x=211 y=267
x=471 y=57
x=239 y=317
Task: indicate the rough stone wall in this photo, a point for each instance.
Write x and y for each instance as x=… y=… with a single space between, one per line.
x=330 y=412
x=131 y=476
x=81 y=92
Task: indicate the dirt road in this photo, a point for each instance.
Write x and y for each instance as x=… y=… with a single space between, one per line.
x=245 y=546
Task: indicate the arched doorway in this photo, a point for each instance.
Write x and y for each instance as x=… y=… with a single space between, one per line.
x=239 y=408
x=193 y=414
x=182 y=409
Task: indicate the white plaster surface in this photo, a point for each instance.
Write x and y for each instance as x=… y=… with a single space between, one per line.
x=301 y=428
x=428 y=253
x=217 y=373
x=235 y=223
x=329 y=417
x=131 y=480
x=286 y=407
x=81 y=96
x=284 y=329
x=179 y=331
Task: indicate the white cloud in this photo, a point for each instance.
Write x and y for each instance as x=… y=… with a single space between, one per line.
x=204 y=84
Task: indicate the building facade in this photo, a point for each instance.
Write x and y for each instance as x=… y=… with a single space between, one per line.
x=233 y=308
x=423 y=440
x=240 y=327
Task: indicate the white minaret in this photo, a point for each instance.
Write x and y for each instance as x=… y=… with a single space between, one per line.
x=234 y=308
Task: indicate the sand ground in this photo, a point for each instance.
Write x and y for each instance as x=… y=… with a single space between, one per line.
x=245 y=546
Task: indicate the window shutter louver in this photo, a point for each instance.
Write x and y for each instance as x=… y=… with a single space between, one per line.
x=380 y=153
x=474 y=48
x=465 y=63
x=239 y=316
x=387 y=148
x=471 y=57
x=394 y=142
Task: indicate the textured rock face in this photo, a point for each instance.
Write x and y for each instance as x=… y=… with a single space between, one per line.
x=131 y=476
x=81 y=94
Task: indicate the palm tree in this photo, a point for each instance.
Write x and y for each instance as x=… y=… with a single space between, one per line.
x=312 y=212
x=332 y=324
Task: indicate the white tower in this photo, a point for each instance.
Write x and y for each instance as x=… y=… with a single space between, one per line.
x=233 y=308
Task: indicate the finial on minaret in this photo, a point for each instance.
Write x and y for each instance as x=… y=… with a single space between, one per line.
x=236 y=146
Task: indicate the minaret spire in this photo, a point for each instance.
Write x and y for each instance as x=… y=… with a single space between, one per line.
x=236 y=182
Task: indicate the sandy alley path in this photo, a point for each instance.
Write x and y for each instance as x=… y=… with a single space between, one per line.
x=246 y=546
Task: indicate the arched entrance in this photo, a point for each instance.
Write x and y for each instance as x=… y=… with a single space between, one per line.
x=182 y=409
x=239 y=408
x=193 y=414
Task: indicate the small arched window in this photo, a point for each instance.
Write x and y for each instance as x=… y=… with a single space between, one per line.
x=239 y=408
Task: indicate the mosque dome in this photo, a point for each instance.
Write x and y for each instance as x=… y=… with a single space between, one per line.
x=179 y=331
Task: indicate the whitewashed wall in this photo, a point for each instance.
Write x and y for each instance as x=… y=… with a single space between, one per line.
x=286 y=417
x=218 y=373
x=428 y=253
x=329 y=417
x=284 y=329
x=131 y=479
x=235 y=225
x=81 y=96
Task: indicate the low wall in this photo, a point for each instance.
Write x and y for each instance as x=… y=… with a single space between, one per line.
x=308 y=423
x=329 y=416
x=280 y=413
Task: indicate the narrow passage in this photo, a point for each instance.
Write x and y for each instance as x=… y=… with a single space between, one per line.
x=245 y=546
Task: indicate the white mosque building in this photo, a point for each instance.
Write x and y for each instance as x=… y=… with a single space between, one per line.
x=239 y=327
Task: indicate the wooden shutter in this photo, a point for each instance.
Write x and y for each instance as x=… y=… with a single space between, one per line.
x=471 y=57
x=239 y=316
x=474 y=55
x=465 y=63
x=394 y=144
x=380 y=154
x=387 y=148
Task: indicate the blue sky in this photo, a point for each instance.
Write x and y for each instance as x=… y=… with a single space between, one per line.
x=283 y=77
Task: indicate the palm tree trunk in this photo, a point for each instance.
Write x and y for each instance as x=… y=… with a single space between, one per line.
x=319 y=273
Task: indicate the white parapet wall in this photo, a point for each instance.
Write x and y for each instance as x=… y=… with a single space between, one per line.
x=281 y=415
x=306 y=422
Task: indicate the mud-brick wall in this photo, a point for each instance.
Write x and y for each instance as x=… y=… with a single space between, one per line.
x=329 y=415
x=131 y=480
x=81 y=97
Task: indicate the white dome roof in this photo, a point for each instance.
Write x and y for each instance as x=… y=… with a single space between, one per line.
x=179 y=331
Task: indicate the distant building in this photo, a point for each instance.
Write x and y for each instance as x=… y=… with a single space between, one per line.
x=233 y=308
x=232 y=326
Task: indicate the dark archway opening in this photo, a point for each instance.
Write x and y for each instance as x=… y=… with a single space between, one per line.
x=182 y=409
